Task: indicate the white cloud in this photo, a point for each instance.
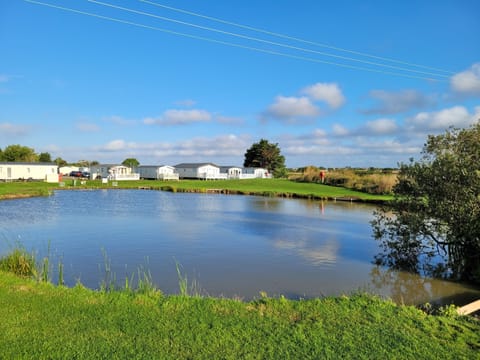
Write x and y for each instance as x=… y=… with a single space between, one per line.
x=381 y=126
x=290 y=108
x=10 y=129
x=115 y=145
x=457 y=116
x=468 y=81
x=87 y=127
x=339 y=130
x=327 y=92
x=319 y=133
x=389 y=146
x=397 y=102
x=218 y=146
x=180 y=117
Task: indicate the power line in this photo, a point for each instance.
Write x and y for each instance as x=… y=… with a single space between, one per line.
x=293 y=38
x=264 y=41
x=227 y=43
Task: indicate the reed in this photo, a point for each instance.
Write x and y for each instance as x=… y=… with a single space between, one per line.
x=186 y=289
x=145 y=283
x=109 y=278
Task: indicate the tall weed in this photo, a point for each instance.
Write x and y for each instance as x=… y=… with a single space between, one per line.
x=109 y=278
x=19 y=262
x=186 y=289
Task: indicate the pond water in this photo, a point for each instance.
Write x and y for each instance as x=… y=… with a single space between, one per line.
x=232 y=246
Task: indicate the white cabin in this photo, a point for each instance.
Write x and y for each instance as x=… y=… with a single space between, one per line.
x=113 y=172
x=204 y=171
x=157 y=172
x=28 y=171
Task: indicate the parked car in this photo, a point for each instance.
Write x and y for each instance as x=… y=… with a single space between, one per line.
x=79 y=174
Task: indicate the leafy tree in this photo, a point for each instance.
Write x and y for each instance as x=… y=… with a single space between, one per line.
x=45 y=157
x=60 y=162
x=433 y=223
x=82 y=163
x=265 y=155
x=18 y=153
x=131 y=162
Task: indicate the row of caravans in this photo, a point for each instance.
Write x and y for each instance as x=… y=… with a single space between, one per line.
x=10 y=171
x=203 y=171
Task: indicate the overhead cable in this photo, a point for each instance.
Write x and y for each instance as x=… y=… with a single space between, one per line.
x=196 y=37
x=276 y=34
x=291 y=47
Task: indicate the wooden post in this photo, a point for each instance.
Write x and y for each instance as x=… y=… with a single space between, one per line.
x=469 y=308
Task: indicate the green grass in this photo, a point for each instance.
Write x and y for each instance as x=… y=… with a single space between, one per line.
x=264 y=187
x=42 y=321
x=25 y=189
x=278 y=187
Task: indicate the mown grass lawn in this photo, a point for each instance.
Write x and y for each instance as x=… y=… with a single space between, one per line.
x=43 y=321
x=25 y=189
x=265 y=187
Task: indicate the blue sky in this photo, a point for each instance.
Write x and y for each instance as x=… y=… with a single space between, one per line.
x=334 y=83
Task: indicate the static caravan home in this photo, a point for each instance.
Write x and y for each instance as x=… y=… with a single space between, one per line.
x=113 y=172
x=251 y=172
x=233 y=172
x=204 y=171
x=157 y=172
x=10 y=171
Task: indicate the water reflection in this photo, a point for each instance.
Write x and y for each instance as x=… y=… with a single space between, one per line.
x=324 y=254
x=411 y=289
x=233 y=245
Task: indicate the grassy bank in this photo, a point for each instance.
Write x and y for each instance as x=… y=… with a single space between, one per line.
x=40 y=320
x=11 y=190
x=264 y=187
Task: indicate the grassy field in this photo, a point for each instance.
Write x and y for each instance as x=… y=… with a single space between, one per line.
x=43 y=321
x=265 y=187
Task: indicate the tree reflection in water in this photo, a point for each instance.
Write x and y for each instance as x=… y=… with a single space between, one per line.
x=412 y=289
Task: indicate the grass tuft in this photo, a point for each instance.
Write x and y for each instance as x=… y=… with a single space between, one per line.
x=19 y=262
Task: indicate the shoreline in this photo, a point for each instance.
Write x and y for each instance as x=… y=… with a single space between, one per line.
x=355 y=198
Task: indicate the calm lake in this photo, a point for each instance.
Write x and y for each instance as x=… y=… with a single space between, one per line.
x=232 y=246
